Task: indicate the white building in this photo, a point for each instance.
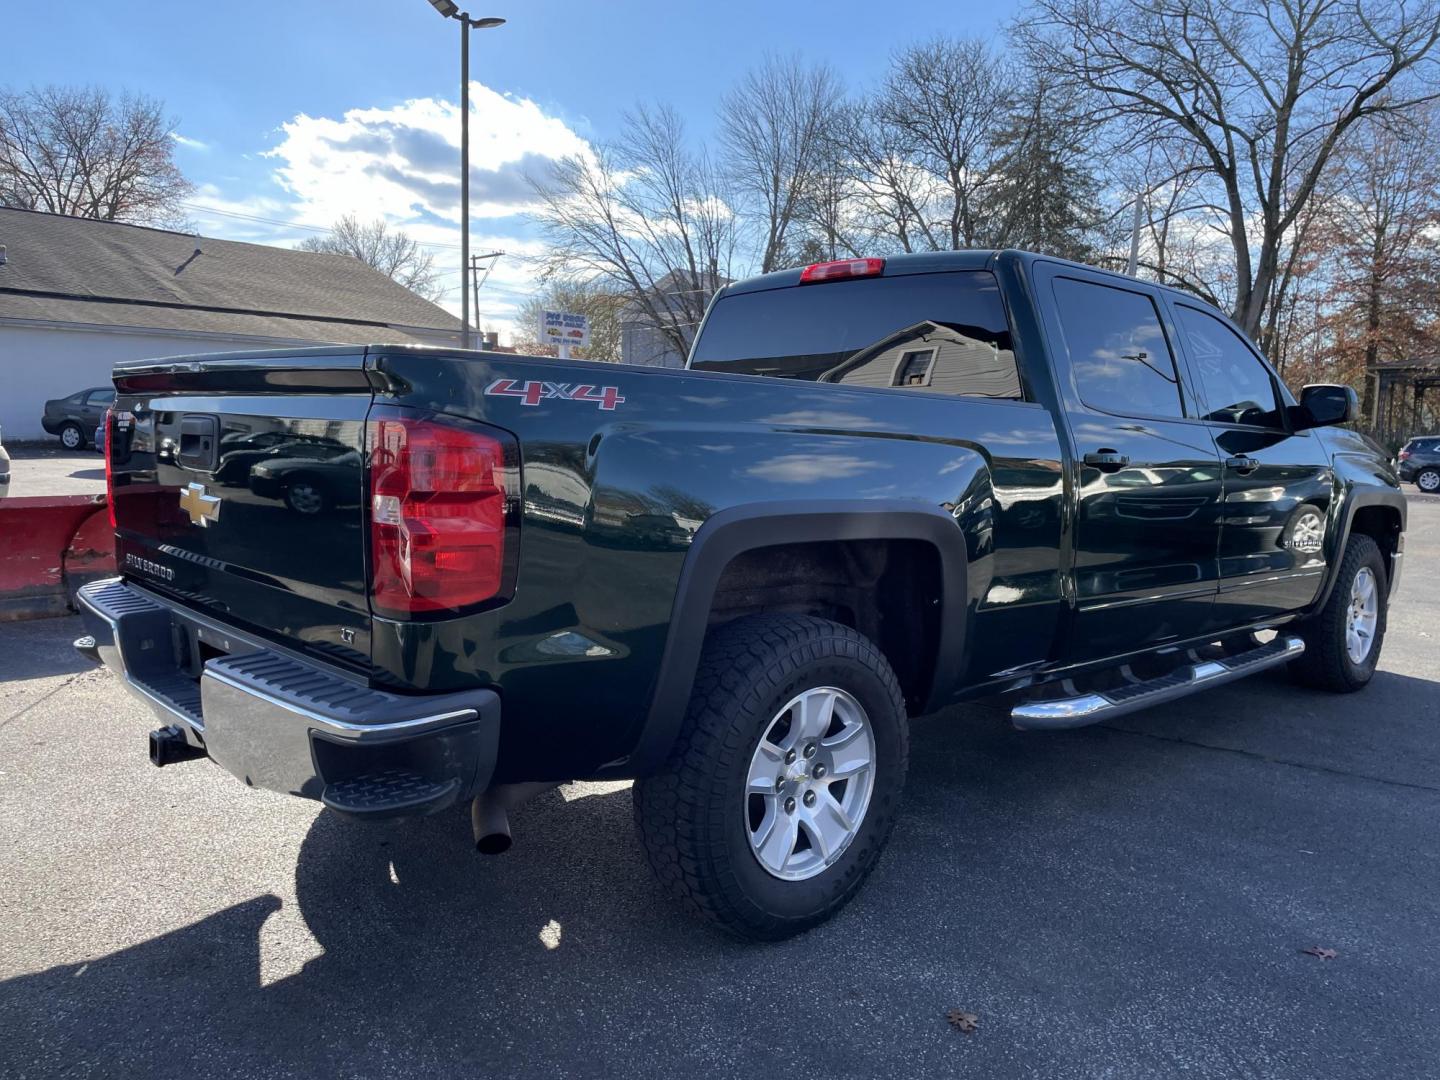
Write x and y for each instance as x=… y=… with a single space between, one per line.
x=77 y=295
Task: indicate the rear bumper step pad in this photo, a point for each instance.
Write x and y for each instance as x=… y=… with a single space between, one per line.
x=1093 y=707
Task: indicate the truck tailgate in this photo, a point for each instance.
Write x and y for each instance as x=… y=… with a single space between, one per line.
x=238 y=487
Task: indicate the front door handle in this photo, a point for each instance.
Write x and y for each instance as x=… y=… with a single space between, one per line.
x=1242 y=464
x=1106 y=460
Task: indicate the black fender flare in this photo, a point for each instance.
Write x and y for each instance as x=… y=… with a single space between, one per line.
x=1358 y=498
x=739 y=529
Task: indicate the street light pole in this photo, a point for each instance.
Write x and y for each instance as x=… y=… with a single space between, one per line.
x=465 y=180
x=450 y=10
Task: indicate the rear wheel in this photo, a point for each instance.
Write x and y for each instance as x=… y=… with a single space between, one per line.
x=785 y=781
x=1342 y=641
x=1428 y=480
x=71 y=437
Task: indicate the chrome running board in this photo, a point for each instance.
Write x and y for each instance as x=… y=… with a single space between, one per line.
x=1091 y=708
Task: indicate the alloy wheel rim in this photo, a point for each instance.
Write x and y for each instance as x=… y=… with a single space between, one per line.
x=70 y=438
x=809 y=783
x=306 y=499
x=1363 y=616
x=1429 y=481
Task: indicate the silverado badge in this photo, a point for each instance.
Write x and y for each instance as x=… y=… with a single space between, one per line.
x=202 y=507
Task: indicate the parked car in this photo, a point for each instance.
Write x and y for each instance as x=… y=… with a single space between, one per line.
x=881 y=486
x=4 y=469
x=75 y=418
x=1419 y=463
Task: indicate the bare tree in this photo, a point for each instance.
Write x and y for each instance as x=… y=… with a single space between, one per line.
x=645 y=217
x=774 y=127
x=391 y=251
x=78 y=151
x=1267 y=90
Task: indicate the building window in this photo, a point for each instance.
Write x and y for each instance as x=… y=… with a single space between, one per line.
x=913 y=368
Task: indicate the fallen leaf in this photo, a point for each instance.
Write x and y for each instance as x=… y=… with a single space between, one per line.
x=1323 y=954
x=963 y=1021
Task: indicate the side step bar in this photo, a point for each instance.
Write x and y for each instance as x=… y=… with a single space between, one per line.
x=1092 y=708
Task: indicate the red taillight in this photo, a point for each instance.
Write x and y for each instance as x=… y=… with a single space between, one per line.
x=437 y=515
x=109 y=468
x=1404 y=453
x=841 y=268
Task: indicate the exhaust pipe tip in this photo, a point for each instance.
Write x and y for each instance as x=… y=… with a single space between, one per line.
x=490 y=814
x=496 y=843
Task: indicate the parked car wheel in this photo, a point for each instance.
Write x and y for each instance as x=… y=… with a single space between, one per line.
x=1428 y=480
x=1342 y=641
x=785 y=780
x=72 y=437
x=305 y=498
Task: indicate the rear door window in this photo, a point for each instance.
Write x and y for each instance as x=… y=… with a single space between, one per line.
x=1118 y=353
x=944 y=333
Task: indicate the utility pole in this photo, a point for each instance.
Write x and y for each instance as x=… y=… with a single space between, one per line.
x=1133 y=268
x=474 y=265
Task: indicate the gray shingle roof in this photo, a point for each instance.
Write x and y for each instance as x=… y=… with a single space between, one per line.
x=77 y=270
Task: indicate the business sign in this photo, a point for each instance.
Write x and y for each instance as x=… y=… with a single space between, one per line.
x=565 y=329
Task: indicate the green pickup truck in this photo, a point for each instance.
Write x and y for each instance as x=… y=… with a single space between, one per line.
x=878 y=487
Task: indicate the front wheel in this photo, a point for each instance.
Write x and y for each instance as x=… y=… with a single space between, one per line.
x=785 y=780
x=1342 y=640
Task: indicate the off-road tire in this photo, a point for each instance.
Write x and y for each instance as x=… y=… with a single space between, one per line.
x=1326 y=664
x=690 y=814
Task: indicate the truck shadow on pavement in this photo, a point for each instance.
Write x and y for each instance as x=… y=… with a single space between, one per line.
x=1105 y=899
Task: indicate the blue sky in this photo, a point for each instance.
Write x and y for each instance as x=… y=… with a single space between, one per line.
x=300 y=111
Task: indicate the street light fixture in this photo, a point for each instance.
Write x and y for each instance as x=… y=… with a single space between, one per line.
x=451 y=10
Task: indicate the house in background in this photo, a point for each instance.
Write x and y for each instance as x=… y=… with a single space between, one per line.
x=77 y=295
x=679 y=297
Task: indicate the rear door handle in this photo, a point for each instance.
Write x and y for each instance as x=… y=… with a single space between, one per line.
x=1242 y=464
x=1106 y=460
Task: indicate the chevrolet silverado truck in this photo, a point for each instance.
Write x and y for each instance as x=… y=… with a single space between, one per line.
x=878 y=487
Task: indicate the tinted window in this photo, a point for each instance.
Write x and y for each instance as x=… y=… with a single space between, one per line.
x=1236 y=385
x=101 y=397
x=1118 y=352
x=945 y=333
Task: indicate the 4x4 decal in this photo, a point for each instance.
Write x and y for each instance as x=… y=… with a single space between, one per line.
x=532 y=392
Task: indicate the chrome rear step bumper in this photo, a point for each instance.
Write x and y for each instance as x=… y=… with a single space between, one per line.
x=1094 y=707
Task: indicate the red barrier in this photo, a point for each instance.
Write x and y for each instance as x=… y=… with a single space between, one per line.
x=49 y=547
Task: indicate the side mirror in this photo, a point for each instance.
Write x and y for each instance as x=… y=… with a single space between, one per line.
x=1324 y=404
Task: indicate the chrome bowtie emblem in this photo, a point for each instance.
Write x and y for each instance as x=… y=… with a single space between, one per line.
x=202 y=507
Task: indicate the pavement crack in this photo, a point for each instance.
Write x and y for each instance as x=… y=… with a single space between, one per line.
x=1268 y=759
x=69 y=679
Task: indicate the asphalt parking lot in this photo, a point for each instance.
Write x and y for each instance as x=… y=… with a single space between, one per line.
x=53 y=470
x=1121 y=901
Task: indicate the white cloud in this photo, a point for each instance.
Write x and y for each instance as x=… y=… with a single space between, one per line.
x=402 y=164
x=189 y=143
x=403 y=161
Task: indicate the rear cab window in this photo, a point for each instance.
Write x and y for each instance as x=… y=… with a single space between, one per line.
x=942 y=333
